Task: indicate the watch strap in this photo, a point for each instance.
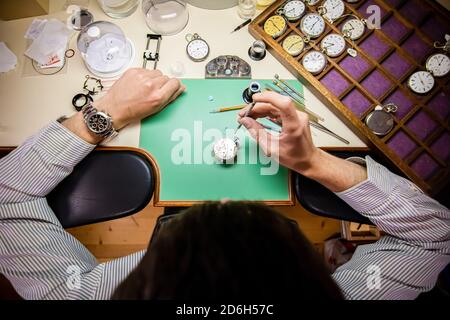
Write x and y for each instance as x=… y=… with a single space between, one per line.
x=90 y=110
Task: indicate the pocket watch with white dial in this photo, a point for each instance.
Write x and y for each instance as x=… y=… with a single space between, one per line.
x=438 y=65
x=332 y=9
x=275 y=26
x=197 y=48
x=312 y=25
x=421 y=82
x=354 y=28
x=314 y=62
x=333 y=45
x=293 y=10
x=294 y=45
x=225 y=150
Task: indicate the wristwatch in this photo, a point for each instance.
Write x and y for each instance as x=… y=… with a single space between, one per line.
x=99 y=123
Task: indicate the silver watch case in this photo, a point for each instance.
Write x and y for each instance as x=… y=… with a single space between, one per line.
x=99 y=123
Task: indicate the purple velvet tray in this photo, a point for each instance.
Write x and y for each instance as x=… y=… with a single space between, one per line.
x=394 y=29
x=440 y=105
x=414 y=11
x=394 y=3
x=357 y=103
x=335 y=82
x=355 y=67
x=363 y=9
x=416 y=47
x=403 y=103
x=377 y=84
x=422 y=125
x=397 y=65
x=375 y=46
x=425 y=166
x=441 y=147
x=435 y=29
x=402 y=145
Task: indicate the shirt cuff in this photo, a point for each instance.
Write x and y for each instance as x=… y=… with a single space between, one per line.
x=373 y=192
x=63 y=145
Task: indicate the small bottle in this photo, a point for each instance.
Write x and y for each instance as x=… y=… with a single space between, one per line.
x=118 y=8
x=247 y=9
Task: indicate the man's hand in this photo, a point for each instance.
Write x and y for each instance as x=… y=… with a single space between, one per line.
x=294 y=147
x=138 y=94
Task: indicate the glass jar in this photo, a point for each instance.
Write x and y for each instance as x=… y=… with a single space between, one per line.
x=105 y=50
x=247 y=8
x=165 y=17
x=118 y=8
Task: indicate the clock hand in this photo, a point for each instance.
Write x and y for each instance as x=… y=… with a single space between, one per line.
x=442 y=60
x=294 y=44
x=421 y=80
x=275 y=25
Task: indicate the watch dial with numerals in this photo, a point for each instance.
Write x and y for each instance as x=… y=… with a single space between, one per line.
x=438 y=64
x=294 y=10
x=421 y=82
x=275 y=26
x=354 y=29
x=293 y=45
x=198 y=50
x=334 y=9
x=333 y=45
x=312 y=25
x=314 y=62
x=98 y=123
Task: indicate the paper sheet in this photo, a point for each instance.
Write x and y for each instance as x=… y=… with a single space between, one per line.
x=8 y=59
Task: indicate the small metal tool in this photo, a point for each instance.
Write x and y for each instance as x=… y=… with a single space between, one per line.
x=285 y=83
x=148 y=55
x=300 y=103
x=252 y=105
x=324 y=129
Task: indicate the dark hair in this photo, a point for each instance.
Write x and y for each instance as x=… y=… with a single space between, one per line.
x=229 y=251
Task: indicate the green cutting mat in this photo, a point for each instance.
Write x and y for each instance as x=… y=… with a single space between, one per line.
x=187 y=176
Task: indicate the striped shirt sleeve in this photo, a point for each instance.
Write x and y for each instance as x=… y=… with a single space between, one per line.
x=416 y=248
x=40 y=259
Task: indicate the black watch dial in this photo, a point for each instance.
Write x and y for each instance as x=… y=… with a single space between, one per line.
x=98 y=123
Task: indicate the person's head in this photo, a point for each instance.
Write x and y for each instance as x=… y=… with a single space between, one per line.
x=229 y=251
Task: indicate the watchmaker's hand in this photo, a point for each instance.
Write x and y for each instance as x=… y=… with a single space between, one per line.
x=138 y=94
x=294 y=147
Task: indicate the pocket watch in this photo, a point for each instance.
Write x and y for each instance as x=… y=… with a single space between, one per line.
x=421 y=82
x=333 y=45
x=225 y=150
x=314 y=62
x=294 y=45
x=381 y=121
x=197 y=48
x=275 y=26
x=354 y=28
x=293 y=10
x=332 y=9
x=312 y=25
x=438 y=65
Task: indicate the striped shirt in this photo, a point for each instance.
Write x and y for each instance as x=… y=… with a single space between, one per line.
x=43 y=261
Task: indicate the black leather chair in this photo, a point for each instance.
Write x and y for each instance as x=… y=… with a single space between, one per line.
x=108 y=184
x=320 y=201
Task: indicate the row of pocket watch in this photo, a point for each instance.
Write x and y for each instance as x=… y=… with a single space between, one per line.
x=313 y=26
